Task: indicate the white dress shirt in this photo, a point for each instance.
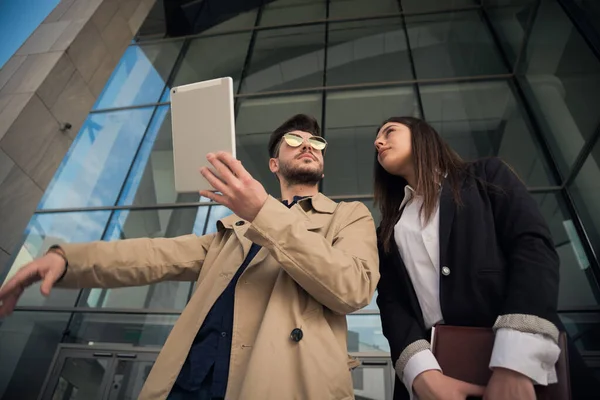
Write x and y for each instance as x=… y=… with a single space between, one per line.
x=533 y=355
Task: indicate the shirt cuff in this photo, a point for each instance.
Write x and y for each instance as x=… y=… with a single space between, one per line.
x=417 y=364
x=531 y=354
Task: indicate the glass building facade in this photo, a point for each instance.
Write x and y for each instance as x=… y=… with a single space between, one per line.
x=519 y=79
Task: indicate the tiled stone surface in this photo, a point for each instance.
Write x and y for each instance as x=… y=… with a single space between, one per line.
x=56 y=81
x=69 y=35
x=73 y=104
x=29 y=137
x=87 y=51
x=104 y=71
x=59 y=11
x=31 y=73
x=141 y=12
x=10 y=68
x=19 y=197
x=105 y=13
x=12 y=110
x=43 y=38
x=55 y=78
x=6 y=165
x=116 y=36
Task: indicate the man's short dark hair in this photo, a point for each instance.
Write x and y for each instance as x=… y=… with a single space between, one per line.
x=299 y=122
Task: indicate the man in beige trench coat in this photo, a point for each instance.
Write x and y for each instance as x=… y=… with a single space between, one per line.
x=314 y=263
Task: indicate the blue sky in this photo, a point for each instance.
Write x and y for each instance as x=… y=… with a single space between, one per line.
x=18 y=18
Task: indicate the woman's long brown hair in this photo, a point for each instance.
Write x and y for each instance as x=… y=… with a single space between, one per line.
x=432 y=158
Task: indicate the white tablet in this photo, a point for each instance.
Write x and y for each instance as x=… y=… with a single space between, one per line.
x=202 y=120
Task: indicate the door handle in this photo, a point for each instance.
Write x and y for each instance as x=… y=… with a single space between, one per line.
x=102 y=354
x=374 y=363
x=126 y=355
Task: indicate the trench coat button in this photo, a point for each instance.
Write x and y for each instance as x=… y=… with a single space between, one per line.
x=296 y=334
x=239 y=223
x=445 y=271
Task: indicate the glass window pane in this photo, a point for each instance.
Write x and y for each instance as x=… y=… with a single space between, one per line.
x=577 y=285
x=352 y=120
x=205 y=59
x=562 y=83
x=140 y=76
x=285 y=59
x=452 y=45
x=128 y=224
x=583 y=329
x=411 y=6
x=143 y=330
x=585 y=192
x=95 y=167
x=372 y=380
x=129 y=379
x=483 y=119
x=367 y=52
x=510 y=20
x=229 y=23
x=81 y=378
x=372 y=208
x=151 y=179
x=365 y=334
x=28 y=341
x=286 y=12
x=45 y=230
x=257 y=118
x=361 y=8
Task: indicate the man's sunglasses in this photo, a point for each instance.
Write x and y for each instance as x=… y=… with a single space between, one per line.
x=316 y=142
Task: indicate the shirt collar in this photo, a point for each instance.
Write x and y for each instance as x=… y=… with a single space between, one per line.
x=294 y=200
x=409 y=192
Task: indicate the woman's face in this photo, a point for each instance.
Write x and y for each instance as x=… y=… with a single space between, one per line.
x=394 y=149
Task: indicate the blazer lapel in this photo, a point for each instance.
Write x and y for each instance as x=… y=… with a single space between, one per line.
x=447 y=210
x=405 y=278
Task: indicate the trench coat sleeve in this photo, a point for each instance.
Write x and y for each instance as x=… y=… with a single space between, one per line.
x=400 y=327
x=134 y=262
x=341 y=275
x=532 y=262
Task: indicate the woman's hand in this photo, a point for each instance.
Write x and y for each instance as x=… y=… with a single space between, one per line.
x=433 y=385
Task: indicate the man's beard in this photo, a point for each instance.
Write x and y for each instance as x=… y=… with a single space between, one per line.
x=300 y=176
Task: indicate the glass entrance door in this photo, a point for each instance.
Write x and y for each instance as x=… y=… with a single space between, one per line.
x=81 y=372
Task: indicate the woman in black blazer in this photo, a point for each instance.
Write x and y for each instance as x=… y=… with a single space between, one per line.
x=463 y=243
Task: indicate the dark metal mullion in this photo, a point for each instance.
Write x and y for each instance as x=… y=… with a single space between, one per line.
x=555 y=171
x=585 y=241
x=582 y=157
x=521 y=99
x=169 y=206
x=411 y=60
x=370 y=85
x=581 y=24
x=180 y=57
x=528 y=29
x=248 y=59
x=163 y=206
x=324 y=92
x=496 y=39
x=308 y=23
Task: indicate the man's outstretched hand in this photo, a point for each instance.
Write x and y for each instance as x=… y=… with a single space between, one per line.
x=48 y=269
x=240 y=192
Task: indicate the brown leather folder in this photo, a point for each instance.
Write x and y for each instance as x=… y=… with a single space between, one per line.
x=464 y=353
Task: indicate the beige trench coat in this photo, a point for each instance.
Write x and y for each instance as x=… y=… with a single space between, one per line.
x=318 y=262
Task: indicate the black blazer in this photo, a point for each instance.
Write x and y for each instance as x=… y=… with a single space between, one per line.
x=500 y=254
